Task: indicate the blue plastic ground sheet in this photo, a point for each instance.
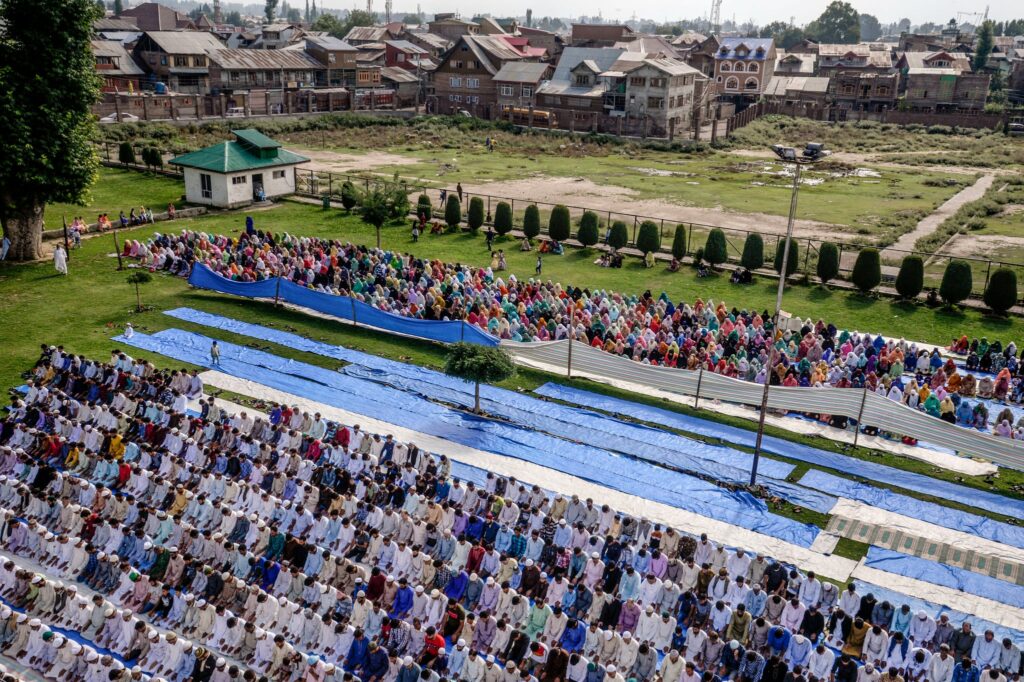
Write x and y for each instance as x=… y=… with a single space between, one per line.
x=917 y=509
x=410 y=411
x=948 y=576
x=849 y=465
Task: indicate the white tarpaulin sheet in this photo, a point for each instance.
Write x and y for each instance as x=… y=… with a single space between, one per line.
x=831 y=566
x=877 y=411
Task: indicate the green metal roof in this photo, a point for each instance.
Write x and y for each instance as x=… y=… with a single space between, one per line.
x=256 y=138
x=232 y=157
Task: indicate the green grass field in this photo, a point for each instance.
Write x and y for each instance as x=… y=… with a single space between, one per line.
x=117 y=189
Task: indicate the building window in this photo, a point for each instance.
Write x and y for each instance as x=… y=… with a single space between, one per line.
x=732 y=84
x=638 y=81
x=458 y=63
x=752 y=67
x=883 y=90
x=751 y=84
x=655 y=102
x=473 y=83
x=455 y=82
x=239 y=180
x=163 y=60
x=527 y=91
x=726 y=66
x=582 y=79
x=506 y=90
x=206 y=185
x=199 y=61
x=401 y=57
x=924 y=95
x=180 y=60
x=279 y=175
x=658 y=82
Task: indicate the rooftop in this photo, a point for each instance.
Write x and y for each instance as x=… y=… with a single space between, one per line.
x=522 y=72
x=185 y=42
x=251 y=150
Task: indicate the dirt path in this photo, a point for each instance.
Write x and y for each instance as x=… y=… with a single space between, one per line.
x=583 y=193
x=339 y=162
x=875 y=160
x=931 y=222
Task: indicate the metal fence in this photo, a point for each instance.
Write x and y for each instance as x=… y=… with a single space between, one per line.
x=318 y=184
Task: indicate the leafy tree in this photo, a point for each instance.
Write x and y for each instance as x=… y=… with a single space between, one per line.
x=903 y=25
x=424 y=207
x=46 y=127
x=476 y=363
x=531 y=221
x=234 y=18
x=412 y=19
x=559 y=223
x=329 y=23
x=293 y=15
x=152 y=157
x=648 y=239
x=870 y=28
x=792 y=263
x=139 y=277
x=619 y=235
x=118 y=7
x=753 y=252
x=529 y=17
x=397 y=195
x=957 y=282
x=679 y=242
x=982 y=46
x=503 y=218
x=475 y=217
x=269 y=10
x=910 y=278
x=588 y=234
x=1001 y=292
x=828 y=262
x=375 y=209
x=867 y=270
x=839 y=23
x=349 y=195
x=453 y=212
x=715 y=250
x=785 y=35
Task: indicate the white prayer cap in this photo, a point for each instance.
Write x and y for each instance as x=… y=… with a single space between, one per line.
x=461 y=642
x=407 y=660
x=595 y=555
x=611 y=669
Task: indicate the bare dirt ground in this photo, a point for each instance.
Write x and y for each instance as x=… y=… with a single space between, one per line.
x=585 y=193
x=325 y=160
x=979 y=246
x=931 y=222
x=857 y=158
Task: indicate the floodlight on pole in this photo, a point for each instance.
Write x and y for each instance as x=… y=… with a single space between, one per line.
x=812 y=153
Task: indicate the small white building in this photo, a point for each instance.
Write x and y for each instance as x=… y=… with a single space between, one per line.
x=238 y=172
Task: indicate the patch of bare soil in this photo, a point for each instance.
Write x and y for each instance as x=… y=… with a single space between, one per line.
x=874 y=160
x=979 y=246
x=326 y=160
x=580 y=192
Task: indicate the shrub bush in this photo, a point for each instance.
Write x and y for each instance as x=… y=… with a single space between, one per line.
x=503 y=218
x=957 y=281
x=475 y=218
x=794 y=256
x=349 y=195
x=648 y=239
x=1001 y=292
x=424 y=207
x=126 y=153
x=559 y=223
x=679 y=242
x=619 y=235
x=753 y=252
x=531 y=221
x=910 y=279
x=867 y=270
x=828 y=262
x=453 y=212
x=588 y=234
x=715 y=251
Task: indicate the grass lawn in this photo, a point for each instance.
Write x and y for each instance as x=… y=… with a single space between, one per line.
x=117 y=189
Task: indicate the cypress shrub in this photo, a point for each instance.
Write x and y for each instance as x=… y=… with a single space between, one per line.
x=828 y=262
x=753 y=252
x=910 y=279
x=867 y=270
x=531 y=221
x=476 y=213
x=679 y=242
x=794 y=256
x=957 y=282
x=349 y=195
x=503 y=218
x=648 y=239
x=588 y=232
x=424 y=208
x=559 y=223
x=715 y=251
x=1001 y=292
x=619 y=236
x=453 y=212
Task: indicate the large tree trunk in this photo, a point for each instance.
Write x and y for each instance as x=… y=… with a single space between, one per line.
x=23 y=225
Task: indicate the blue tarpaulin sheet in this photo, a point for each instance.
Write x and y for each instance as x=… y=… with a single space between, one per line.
x=343 y=307
x=585 y=426
x=907 y=480
x=413 y=412
x=948 y=576
x=917 y=509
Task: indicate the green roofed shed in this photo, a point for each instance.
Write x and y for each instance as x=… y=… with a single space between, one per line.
x=237 y=172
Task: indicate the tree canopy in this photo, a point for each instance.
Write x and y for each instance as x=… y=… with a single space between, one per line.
x=839 y=23
x=339 y=28
x=478 y=364
x=46 y=127
x=982 y=47
x=785 y=35
x=870 y=27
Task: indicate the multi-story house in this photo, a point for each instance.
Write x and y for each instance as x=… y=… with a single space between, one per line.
x=863 y=91
x=115 y=66
x=451 y=27
x=278 y=36
x=941 y=81
x=517 y=84
x=600 y=35
x=152 y=16
x=337 y=57
x=464 y=79
x=744 y=67
x=180 y=59
x=232 y=70
x=861 y=58
x=660 y=92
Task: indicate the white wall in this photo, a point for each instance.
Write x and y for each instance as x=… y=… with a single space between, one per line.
x=227 y=194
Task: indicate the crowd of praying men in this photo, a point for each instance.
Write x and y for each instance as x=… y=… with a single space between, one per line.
x=209 y=545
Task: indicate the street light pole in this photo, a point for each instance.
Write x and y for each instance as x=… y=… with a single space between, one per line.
x=812 y=153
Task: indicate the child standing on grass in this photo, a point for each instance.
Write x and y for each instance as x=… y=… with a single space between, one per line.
x=540 y=263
